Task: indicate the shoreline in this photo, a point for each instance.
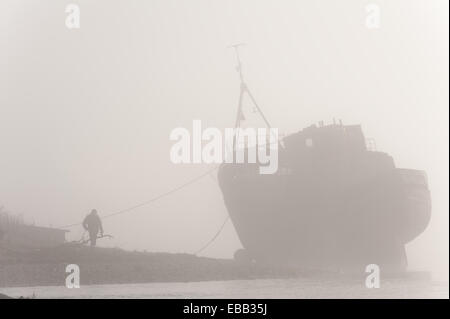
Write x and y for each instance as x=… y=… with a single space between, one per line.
x=301 y=287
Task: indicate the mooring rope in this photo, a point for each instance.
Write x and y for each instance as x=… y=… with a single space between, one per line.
x=214 y=237
x=173 y=190
x=154 y=199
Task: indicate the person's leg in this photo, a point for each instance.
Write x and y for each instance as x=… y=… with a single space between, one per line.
x=93 y=238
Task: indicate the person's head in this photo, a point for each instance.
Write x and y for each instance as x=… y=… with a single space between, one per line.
x=94 y=212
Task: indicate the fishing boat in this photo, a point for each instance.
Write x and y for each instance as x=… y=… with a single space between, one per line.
x=335 y=201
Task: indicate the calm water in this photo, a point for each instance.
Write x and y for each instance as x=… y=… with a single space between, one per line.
x=268 y=288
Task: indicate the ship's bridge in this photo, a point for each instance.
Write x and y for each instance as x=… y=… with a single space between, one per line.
x=329 y=138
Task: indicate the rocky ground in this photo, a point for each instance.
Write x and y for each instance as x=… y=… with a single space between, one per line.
x=47 y=267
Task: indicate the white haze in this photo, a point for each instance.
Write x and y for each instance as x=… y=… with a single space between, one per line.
x=85 y=115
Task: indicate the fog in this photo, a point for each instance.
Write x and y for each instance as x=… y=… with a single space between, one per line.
x=86 y=114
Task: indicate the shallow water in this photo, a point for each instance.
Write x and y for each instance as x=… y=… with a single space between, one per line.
x=267 y=288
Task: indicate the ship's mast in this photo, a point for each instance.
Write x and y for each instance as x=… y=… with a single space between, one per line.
x=244 y=90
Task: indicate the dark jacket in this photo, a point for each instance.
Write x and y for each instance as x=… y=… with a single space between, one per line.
x=92 y=223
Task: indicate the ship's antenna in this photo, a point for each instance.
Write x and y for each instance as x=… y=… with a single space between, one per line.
x=238 y=59
x=244 y=89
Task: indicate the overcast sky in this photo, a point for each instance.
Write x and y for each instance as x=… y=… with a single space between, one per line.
x=85 y=115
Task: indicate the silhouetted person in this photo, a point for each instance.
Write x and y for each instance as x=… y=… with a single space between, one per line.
x=93 y=225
